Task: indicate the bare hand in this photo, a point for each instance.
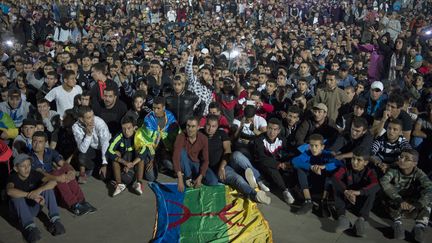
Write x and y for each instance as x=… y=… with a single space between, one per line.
x=197 y=182
x=180 y=185
x=103 y=171
x=221 y=173
x=383 y=166
x=406 y=206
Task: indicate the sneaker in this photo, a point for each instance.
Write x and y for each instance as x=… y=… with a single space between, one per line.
x=189 y=183
x=250 y=178
x=342 y=224
x=56 y=228
x=90 y=207
x=398 y=231
x=419 y=233
x=80 y=209
x=138 y=188
x=305 y=208
x=263 y=187
x=82 y=179
x=262 y=197
x=323 y=209
x=360 y=227
x=32 y=234
x=288 y=198
x=119 y=188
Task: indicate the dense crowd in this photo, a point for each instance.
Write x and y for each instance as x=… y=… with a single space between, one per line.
x=317 y=100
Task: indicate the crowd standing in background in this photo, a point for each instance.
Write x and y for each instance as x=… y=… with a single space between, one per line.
x=317 y=100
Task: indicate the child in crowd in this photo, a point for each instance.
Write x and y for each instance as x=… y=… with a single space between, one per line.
x=355 y=187
x=321 y=163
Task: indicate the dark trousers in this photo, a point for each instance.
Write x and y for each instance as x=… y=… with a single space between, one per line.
x=320 y=182
x=362 y=207
x=275 y=175
x=68 y=193
x=26 y=209
x=92 y=162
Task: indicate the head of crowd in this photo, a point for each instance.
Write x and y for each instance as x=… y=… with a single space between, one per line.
x=248 y=93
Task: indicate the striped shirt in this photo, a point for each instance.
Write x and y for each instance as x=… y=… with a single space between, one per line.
x=387 y=151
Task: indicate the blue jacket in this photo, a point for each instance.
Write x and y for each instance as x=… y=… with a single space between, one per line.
x=306 y=159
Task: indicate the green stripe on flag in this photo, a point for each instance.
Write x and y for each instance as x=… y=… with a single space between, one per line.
x=205 y=225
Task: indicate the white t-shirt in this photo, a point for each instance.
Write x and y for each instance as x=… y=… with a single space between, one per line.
x=64 y=100
x=258 y=121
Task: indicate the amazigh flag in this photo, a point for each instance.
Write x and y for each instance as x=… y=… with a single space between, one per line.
x=207 y=214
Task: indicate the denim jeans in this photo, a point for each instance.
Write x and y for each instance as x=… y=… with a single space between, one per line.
x=239 y=162
x=26 y=209
x=191 y=170
x=237 y=181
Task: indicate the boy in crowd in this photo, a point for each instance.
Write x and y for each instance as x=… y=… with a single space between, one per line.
x=409 y=190
x=388 y=147
x=30 y=191
x=321 y=163
x=355 y=187
x=52 y=165
x=122 y=155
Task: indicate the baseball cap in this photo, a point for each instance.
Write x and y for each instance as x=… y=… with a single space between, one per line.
x=377 y=85
x=21 y=158
x=204 y=51
x=320 y=106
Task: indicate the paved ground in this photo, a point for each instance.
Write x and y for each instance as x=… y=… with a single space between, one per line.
x=130 y=218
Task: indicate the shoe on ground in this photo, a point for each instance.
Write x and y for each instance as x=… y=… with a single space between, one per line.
x=323 y=209
x=288 y=198
x=80 y=209
x=360 y=227
x=137 y=186
x=82 y=179
x=250 y=178
x=189 y=183
x=56 y=228
x=419 y=233
x=32 y=234
x=342 y=224
x=90 y=207
x=262 y=197
x=398 y=230
x=119 y=188
x=263 y=187
x=305 y=208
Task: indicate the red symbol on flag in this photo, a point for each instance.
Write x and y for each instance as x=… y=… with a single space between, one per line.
x=187 y=214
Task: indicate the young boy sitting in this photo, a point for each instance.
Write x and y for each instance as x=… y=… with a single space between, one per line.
x=321 y=163
x=30 y=191
x=409 y=190
x=355 y=187
x=122 y=154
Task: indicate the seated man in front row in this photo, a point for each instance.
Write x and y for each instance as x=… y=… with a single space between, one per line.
x=409 y=190
x=30 y=191
x=51 y=164
x=189 y=147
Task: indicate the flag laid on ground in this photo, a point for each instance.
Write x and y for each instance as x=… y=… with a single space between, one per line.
x=207 y=214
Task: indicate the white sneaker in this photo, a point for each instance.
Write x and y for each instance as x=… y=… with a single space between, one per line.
x=138 y=188
x=250 y=178
x=262 y=197
x=263 y=187
x=119 y=188
x=288 y=198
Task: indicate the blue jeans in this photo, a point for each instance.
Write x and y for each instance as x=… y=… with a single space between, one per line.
x=191 y=170
x=239 y=162
x=26 y=209
x=237 y=181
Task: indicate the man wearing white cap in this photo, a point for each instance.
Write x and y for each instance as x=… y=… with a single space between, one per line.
x=376 y=100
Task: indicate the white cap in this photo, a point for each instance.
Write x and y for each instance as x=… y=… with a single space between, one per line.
x=204 y=51
x=377 y=85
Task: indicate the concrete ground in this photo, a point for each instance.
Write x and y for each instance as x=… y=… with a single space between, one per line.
x=130 y=218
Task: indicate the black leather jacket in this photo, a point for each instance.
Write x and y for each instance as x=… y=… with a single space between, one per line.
x=185 y=105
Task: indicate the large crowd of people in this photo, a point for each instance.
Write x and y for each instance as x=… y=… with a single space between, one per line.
x=317 y=101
